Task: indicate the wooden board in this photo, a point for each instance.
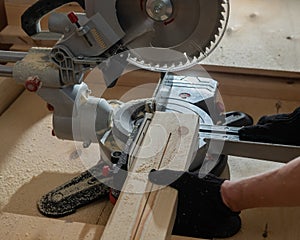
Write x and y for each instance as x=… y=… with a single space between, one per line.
x=14 y=226
x=140 y=212
x=3 y=20
x=14 y=35
x=9 y=91
x=261 y=35
x=260 y=87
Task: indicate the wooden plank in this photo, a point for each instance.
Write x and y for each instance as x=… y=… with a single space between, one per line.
x=260 y=35
x=20 y=47
x=140 y=213
x=258 y=86
x=12 y=34
x=9 y=92
x=258 y=107
x=246 y=70
x=3 y=20
x=15 y=227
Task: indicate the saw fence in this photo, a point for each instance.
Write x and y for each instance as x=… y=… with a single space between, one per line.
x=259 y=85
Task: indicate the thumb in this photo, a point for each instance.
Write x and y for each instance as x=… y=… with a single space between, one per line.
x=164 y=177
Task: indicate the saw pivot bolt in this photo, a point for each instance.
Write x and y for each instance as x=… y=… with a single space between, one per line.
x=32 y=84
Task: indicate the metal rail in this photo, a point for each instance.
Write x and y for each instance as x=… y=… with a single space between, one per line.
x=11 y=56
x=6 y=71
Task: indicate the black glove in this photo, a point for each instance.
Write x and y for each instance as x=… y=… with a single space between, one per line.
x=278 y=129
x=201 y=212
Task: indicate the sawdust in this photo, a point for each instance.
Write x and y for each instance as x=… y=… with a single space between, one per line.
x=28 y=153
x=264 y=35
x=24 y=199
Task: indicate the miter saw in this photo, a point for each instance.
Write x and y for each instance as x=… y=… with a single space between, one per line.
x=167 y=36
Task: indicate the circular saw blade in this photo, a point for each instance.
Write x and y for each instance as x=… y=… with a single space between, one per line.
x=188 y=34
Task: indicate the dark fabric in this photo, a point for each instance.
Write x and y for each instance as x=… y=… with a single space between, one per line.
x=277 y=129
x=201 y=212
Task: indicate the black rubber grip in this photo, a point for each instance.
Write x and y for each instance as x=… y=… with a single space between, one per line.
x=31 y=17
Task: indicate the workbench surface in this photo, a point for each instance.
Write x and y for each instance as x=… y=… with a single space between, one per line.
x=32 y=162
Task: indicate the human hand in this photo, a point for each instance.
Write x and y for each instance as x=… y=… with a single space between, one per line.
x=201 y=212
x=277 y=129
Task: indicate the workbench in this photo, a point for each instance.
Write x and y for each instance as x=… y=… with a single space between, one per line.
x=33 y=162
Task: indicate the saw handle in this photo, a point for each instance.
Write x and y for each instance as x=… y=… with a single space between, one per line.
x=32 y=16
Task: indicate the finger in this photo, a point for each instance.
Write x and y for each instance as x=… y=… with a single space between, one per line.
x=280 y=118
x=271 y=119
x=254 y=133
x=164 y=177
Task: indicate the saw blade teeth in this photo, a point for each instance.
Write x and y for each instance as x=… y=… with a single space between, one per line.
x=222 y=17
x=188 y=61
x=195 y=59
x=196 y=50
